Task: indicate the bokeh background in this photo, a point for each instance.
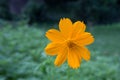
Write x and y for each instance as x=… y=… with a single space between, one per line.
x=23 y=24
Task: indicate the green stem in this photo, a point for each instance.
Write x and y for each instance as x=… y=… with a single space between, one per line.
x=68 y=73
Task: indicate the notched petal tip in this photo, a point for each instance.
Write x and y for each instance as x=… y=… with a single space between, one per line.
x=75 y=67
x=60 y=59
x=54 y=35
x=78 y=28
x=73 y=58
x=52 y=48
x=49 y=52
x=84 y=39
x=56 y=64
x=49 y=31
x=65 y=20
x=91 y=40
x=87 y=58
x=85 y=54
x=65 y=26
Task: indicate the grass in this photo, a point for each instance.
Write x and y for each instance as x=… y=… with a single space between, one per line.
x=22 y=55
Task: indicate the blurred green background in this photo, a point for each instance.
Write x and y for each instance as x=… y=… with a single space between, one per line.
x=23 y=24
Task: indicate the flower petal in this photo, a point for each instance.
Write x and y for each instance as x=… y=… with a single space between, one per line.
x=65 y=26
x=83 y=52
x=62 y=56
x=74 y=58
x=54 y=35
x=84 y=39
x=86 y=53
x=78 y=27
x=53 y=48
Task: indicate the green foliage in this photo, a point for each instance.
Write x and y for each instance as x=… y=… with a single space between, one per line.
x=22 y=55
x=20 y=51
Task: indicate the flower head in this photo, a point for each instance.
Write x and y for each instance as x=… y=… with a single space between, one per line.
x=69 y=43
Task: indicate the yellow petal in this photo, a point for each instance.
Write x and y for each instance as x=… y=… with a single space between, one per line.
x=53 y=48
x=54 y=35
x=84 y=39
x=86 y=54
x=61 y=58
x=74 y=58
x=83 y=52
x=65 y=26
x=78 y=27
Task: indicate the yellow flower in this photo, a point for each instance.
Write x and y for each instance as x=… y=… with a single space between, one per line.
x=69 y=43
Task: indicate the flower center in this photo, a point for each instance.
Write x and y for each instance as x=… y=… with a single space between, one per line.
x=70 y=44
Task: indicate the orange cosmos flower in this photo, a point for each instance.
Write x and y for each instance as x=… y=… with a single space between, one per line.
x=69 y=43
